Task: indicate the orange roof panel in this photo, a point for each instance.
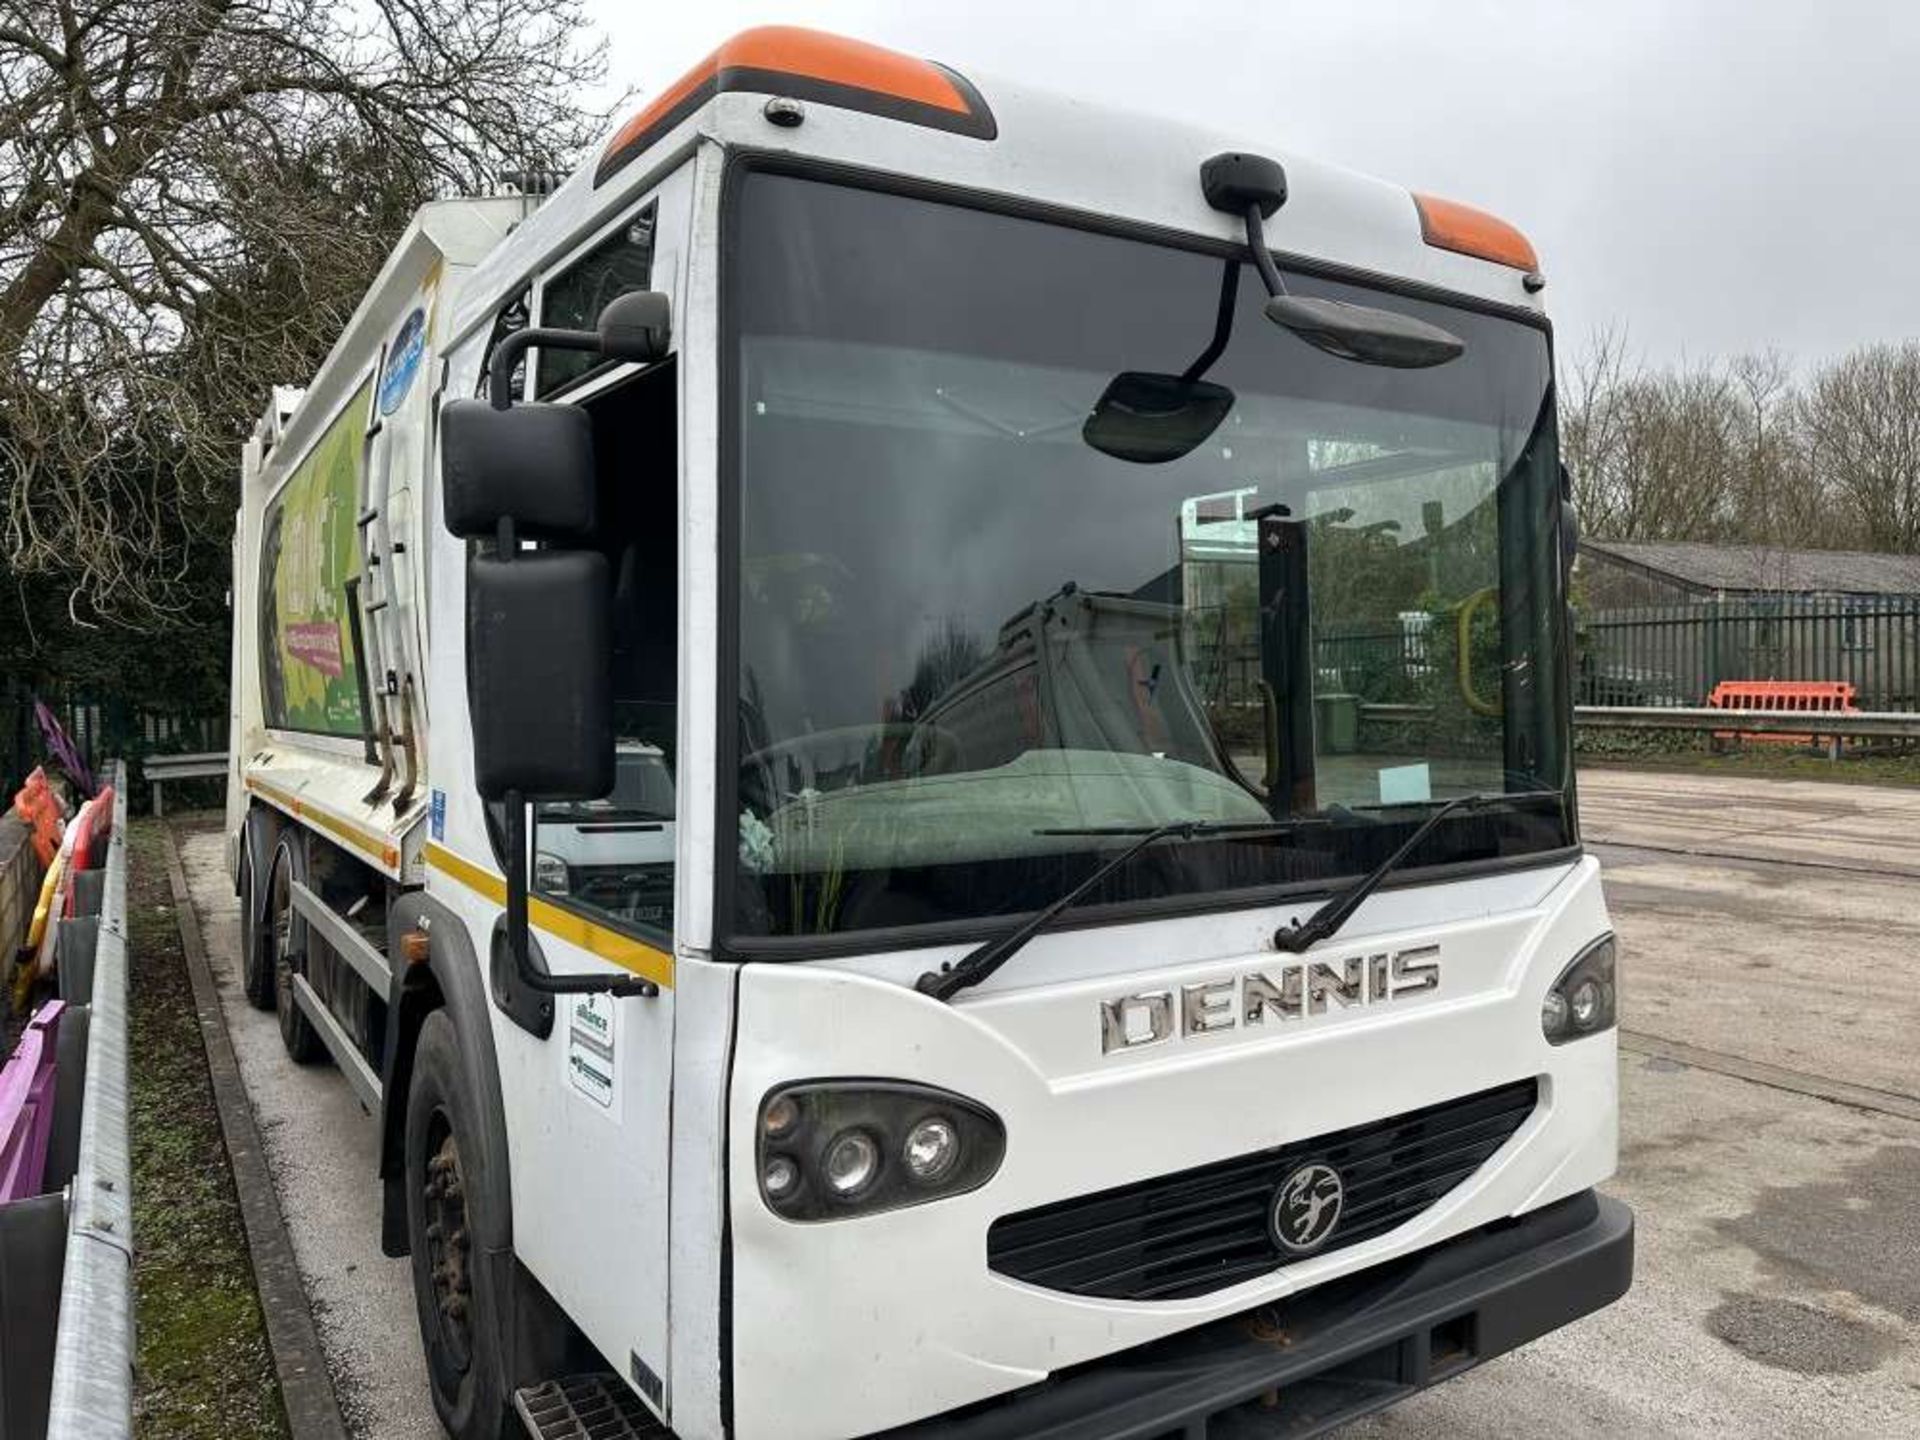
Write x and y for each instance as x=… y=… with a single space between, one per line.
x=808 y=65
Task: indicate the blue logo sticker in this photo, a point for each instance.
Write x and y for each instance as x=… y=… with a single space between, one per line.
x=403 y=359
x=437 y=821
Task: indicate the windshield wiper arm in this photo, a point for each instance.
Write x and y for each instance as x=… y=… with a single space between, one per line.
x=1328 y=919
x=980 y=962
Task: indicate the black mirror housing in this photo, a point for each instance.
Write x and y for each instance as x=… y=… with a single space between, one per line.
x=539 y=675
x=636 y=326
x=1150 y=419
x=532 y=462
x=1365 y=334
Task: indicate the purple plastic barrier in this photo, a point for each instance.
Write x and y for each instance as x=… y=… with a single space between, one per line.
x=63 y=748
x=26 y=1105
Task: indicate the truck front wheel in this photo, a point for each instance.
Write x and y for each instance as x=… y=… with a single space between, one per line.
x=453 y=1285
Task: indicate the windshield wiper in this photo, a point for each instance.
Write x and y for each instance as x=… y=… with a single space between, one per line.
x=977 y=964
x=1328 y=919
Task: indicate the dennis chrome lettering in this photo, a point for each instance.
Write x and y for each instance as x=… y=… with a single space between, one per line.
x=1263 y=997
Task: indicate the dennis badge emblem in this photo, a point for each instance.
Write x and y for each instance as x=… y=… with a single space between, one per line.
x=1306 y=1207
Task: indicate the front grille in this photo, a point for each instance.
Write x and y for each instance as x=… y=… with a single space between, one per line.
x=1204 y=1229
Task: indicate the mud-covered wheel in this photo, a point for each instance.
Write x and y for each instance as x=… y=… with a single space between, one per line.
x=256 y=936
x=452 y=1290
x=287 y=937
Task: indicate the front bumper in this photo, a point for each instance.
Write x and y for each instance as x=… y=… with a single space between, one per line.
x=1304 y=1365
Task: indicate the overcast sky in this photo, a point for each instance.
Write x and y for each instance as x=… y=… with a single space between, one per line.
x=1712 y=175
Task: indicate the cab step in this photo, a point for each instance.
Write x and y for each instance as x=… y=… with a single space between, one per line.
x=586 y=1407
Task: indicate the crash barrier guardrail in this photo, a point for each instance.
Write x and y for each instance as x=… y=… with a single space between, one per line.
x=66 y=1245
x=1851 y=724
x=157 y=770
x=1848 y=724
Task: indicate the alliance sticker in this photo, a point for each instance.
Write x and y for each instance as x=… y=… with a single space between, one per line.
x=590 y=1048
x=403 y=360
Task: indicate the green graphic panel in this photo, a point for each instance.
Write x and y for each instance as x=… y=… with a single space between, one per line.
x=309 y=551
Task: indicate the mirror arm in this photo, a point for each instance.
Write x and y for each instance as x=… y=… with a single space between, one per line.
x=1262 y=257
x=508 y=352
x=539 y=981
x=1222 y=325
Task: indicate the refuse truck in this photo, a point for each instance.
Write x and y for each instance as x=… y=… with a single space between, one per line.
x=913 y=743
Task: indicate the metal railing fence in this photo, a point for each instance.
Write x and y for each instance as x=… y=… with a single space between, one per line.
x=99 y=726
x=1673 y=655
x=1646 y=656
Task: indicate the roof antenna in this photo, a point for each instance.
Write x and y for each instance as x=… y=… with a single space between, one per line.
x=1253 y=188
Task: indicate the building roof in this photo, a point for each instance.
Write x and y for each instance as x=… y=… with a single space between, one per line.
x=1750 y=568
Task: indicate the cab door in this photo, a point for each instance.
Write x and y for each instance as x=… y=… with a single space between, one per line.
x=587 y=1104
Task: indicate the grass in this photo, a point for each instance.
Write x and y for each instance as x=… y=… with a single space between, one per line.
x=203 y=1369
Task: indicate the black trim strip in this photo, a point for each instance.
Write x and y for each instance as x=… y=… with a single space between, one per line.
x=742 y=160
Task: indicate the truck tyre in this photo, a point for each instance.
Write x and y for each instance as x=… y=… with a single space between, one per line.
x=256 y=937
x=454 y=1293
x=287 y=935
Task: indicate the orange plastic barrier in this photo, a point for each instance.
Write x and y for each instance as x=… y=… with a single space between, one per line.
x=37 y=804
x=92 y=830
x=1797 y=697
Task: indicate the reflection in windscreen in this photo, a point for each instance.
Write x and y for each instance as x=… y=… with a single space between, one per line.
x=615 y=853
x=960 y=627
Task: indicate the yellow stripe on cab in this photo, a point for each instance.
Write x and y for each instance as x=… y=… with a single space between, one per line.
x=599 y=940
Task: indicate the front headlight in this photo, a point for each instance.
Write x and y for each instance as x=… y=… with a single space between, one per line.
x=550 y=874
x=833 y=1149
x=1585 y=999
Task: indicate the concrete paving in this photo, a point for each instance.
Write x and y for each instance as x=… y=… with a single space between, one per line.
x=1777 y=1288
x=1763 y=923
x=324 y=1153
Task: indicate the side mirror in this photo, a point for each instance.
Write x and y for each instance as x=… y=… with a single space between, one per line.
x=1364 y=333
x=539 y=662
x=532 y=464
x=636 y=326
x=1150 y=419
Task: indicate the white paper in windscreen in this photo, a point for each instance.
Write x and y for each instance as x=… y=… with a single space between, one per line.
x=1405 y=784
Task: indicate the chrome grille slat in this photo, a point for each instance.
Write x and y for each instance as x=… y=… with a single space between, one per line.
x=1203 y=1229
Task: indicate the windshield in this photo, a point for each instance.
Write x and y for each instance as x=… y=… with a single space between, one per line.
x=962 y=628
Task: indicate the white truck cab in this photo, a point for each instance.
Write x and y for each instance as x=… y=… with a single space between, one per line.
x=915 y=744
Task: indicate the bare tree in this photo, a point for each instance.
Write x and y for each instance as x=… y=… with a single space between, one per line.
x=193 y=194
x=1653 y=454
x=1738 y=452
x=1592 y=431
x=1861 y=418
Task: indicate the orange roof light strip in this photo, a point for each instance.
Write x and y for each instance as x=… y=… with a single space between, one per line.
x=808 y=65
x=1449 y=225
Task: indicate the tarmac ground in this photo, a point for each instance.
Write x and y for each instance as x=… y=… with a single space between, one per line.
x=1770 y=1089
